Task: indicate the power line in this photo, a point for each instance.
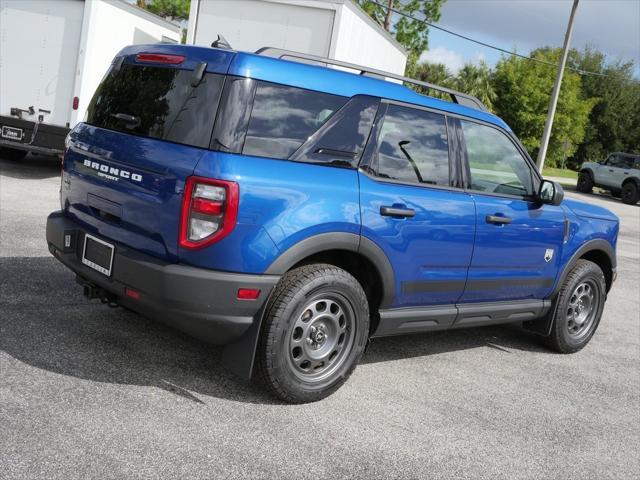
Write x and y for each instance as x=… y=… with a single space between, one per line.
x=484 y=44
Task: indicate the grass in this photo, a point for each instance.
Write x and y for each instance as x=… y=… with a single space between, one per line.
x=558 y=172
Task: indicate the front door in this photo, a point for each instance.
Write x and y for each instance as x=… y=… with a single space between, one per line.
x=518 y=241
x=411 y=210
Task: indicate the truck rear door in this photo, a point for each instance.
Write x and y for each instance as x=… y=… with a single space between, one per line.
x=147 y=126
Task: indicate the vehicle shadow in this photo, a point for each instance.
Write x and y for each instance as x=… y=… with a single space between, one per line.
x=33 y=167
x=46 y=323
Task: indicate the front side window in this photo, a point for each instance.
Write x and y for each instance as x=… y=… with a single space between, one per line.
x=283 y=118
x=495 y=164
x=413 y=146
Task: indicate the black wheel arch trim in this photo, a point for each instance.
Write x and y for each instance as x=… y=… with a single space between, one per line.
x=339 y=241
x=589 y=171
x=543 y=325
x=591 y=245
x=631 y=179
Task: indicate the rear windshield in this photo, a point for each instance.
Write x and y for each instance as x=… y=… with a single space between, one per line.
x=157 y=102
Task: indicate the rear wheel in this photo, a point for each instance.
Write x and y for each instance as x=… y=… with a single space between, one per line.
x=585 y=182
x=12 y=154
x=315 y=331
x=579 y=308
x=630 y=193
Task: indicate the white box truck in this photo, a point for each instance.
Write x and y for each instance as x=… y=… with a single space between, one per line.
x=53 y=54
x=336 y=29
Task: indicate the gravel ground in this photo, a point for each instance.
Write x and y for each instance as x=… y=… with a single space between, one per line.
x=92 y=392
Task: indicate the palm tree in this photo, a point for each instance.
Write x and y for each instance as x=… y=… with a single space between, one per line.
x=476 y=80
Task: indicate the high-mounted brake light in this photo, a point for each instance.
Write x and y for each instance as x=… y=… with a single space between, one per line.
x=160 y=58
x=209 y=211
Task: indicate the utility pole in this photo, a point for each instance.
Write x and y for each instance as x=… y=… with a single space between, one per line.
x=546 y=134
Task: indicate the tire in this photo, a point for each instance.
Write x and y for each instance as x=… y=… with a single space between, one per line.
x=585 y=182
x=578 y=308
x=12 y=154
x=314 y=333
x=630 y=193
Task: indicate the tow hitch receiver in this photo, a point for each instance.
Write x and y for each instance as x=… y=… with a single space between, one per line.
x=92 y=291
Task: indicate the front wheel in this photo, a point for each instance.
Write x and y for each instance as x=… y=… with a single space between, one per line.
x=630 y=193
x=578 y=309
x=585 y=183
x=314 y=333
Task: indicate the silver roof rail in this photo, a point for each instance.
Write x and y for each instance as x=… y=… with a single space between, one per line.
x=456 y=97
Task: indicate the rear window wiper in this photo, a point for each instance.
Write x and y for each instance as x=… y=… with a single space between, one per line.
x=129 y=121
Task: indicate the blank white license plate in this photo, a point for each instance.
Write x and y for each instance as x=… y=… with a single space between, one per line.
x=12 y=133
x=97 y=254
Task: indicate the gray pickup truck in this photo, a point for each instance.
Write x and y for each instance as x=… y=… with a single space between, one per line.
x=619 y=173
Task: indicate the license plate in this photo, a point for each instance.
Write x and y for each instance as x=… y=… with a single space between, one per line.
x=12 y=133
x=97 y=254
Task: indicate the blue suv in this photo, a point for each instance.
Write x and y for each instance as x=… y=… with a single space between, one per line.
x=292 y=211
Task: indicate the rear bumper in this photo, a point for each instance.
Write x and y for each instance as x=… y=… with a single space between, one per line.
x=200 y=302
x=48 y=139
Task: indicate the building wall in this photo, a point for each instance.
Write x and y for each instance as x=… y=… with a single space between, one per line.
x=109 y=26
x=333 y=28
x=251 y=24
x=359 y=42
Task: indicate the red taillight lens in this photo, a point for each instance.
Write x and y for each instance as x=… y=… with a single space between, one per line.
x=160 y=58
x=76 y=102
x=209 y=211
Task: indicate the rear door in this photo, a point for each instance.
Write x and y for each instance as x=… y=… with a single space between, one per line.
x=147 y=126
x=517 y=246
x=411 y=208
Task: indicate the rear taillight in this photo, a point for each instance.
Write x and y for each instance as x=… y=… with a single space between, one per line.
x=76 y=103
x=209 y=211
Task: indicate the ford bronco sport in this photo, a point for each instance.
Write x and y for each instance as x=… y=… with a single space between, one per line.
x=292 y=211
x=619 y=173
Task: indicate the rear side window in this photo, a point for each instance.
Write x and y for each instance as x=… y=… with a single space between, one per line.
x=158 y=103
x=283 y=118
x=413 y=146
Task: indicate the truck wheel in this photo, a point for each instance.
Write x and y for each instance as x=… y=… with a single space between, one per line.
x=12 y=154
x=578 y=309
x=314 y=333
x=630 y=193
x=585 y=182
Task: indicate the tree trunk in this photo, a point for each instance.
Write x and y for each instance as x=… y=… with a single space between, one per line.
x=387 y=17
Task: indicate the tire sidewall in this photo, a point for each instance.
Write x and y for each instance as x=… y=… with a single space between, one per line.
x=630 y=193
x=587 y=271
x=337 y=282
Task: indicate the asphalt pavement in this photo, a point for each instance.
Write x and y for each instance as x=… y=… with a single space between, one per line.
x=87 y=391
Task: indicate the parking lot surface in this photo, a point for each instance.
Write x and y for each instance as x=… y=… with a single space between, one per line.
x=90 y=391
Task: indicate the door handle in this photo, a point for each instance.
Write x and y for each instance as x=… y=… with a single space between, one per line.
x=611 y=169
x=397 y=212
x=498 y=220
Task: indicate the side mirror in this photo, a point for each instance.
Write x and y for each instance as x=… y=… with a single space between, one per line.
x=550 y=193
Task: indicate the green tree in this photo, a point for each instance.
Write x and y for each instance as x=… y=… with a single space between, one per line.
x=614 y=122
x=476 y=80
x=523 y=90
x=412 y=34
x=172 y=9
x=435 y=73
